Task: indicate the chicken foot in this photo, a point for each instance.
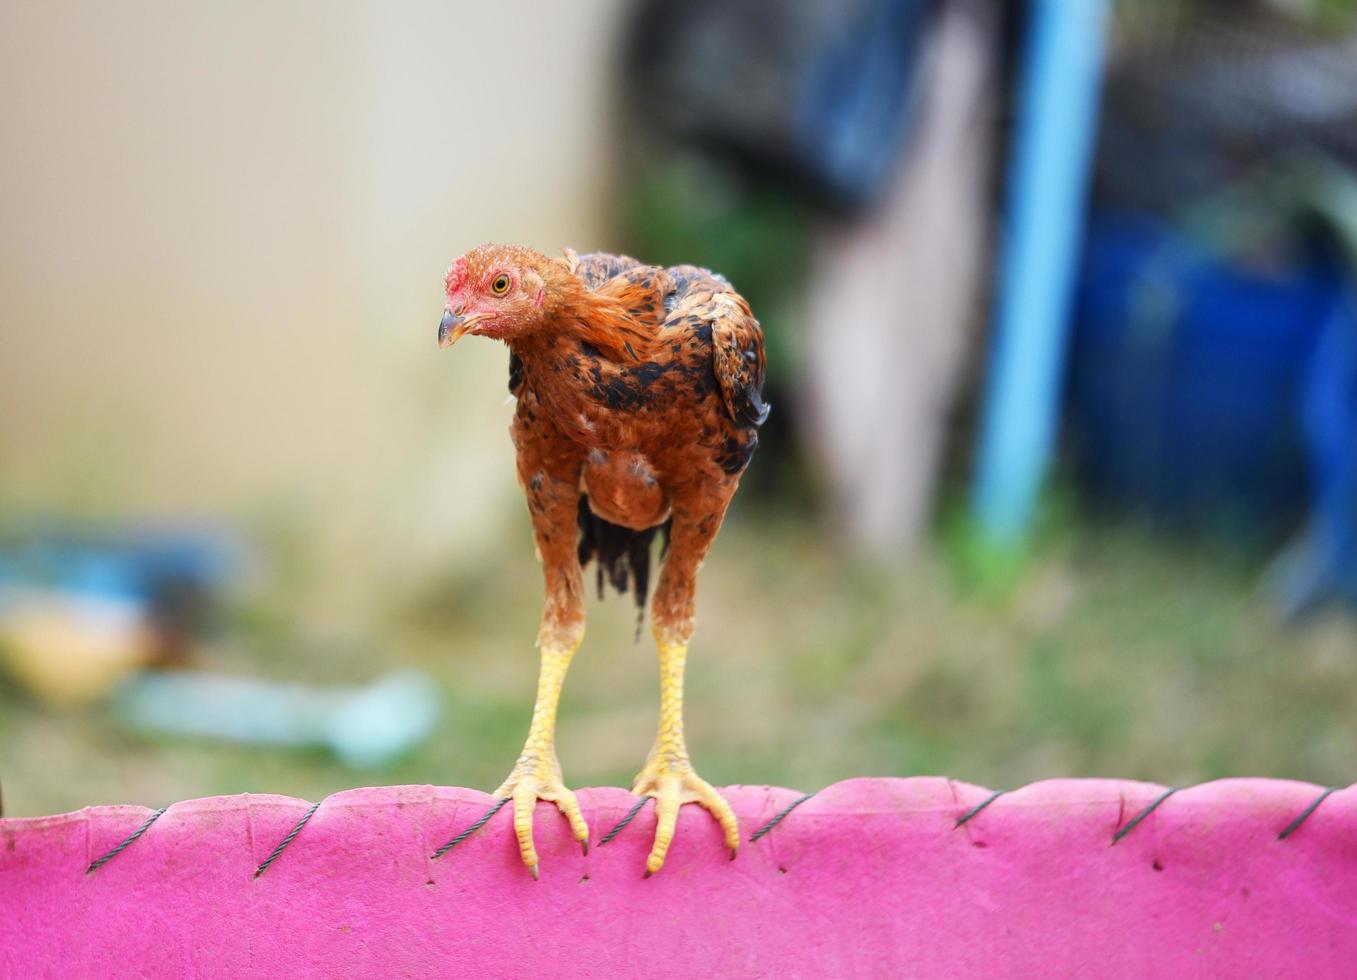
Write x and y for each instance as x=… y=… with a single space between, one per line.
x=537 y=773
x=668 y=774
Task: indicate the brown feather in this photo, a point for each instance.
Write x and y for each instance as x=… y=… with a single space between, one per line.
x=643 y=392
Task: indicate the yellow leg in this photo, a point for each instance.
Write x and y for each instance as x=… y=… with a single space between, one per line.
x=537 y=774
x=668 y=774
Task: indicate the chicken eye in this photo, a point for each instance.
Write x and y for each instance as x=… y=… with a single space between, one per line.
x=500 y=286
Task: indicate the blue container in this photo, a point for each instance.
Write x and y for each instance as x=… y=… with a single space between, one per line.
x=1186 y=394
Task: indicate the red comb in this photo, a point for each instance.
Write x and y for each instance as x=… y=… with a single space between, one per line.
x=456 y=277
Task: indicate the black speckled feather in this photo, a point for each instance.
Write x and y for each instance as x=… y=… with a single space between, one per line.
x=712 y=348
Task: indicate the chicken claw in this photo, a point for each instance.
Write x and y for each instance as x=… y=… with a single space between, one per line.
x=672 y=785
x=531 y=781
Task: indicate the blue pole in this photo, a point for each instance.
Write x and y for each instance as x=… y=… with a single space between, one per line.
x=1052 y=147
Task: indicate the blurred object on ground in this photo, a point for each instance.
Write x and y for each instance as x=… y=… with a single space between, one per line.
x=1214 y=394
x=82 y=608
x=836 y=166
x=892 y=308
x=1306 y=203
x=85 y=613
x=365 y=727
x=1215 y=369
x=1187 y=378
x=1055 y=101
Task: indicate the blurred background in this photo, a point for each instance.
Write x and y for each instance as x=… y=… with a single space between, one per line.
x=1061 y=477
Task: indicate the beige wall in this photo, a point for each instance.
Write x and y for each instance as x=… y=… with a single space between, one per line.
x=223 y=232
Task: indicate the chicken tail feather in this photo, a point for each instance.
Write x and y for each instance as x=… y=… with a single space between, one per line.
x=622 y=556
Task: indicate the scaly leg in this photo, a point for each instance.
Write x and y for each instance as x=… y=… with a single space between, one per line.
x=668 y=773
x=537 y=774
x=553 y=499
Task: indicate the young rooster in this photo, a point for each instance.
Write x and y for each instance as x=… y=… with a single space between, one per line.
x=639 y=398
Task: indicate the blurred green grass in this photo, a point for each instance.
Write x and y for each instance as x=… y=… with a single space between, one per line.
x=1115 y=652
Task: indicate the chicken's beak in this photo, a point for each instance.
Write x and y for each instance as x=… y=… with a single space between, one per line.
x=453 y=326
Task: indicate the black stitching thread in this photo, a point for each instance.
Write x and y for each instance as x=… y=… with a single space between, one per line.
x=621 y=824
x=976 y=810
x=780 y=816
x=966 y=817
x=282 y=844
x=485 y=818
x=103 y=859
x=1294 y=825
x=1134 y=822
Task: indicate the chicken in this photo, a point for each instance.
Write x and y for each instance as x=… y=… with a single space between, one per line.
x=639 y=396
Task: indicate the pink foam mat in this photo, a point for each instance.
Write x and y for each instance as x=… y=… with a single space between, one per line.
x=869 y=877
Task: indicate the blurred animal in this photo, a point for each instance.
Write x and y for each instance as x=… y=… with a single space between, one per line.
x=639 y=394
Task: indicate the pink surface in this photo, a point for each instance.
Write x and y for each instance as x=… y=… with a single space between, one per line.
x=867 y=878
